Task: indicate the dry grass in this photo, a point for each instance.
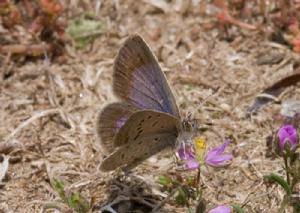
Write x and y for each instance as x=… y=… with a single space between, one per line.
x=48 y=111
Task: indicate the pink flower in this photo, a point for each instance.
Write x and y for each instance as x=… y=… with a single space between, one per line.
x=186 y=153
x=220 y=209
x=287 y=134
x=216 y=158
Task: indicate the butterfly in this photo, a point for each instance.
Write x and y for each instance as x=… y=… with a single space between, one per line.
x=146 y=118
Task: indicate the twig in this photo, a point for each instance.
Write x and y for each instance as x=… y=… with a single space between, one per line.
x=29 y=121
x=52 y=93
x=164 y=201
x=4 y=167
x=6 y=148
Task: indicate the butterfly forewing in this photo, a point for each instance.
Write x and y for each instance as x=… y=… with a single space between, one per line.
x=138 y=78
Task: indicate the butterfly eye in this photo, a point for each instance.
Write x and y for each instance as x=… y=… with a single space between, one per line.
x=194 y=124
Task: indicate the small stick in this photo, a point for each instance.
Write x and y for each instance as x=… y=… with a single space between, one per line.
x=29 y=121
x=164 y=201
x=6 y=148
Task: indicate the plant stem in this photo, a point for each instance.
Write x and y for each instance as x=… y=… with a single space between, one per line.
x=286 y=169
x=198 y=176
x=283 y=204
x=296 y=208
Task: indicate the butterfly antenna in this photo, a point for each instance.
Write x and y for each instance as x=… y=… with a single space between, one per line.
x=191 y=118
x=46 y=58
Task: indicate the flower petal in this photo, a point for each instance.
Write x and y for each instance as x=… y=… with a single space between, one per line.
x=185 y=152
x=192 y=164
x=215 y=157
x=219 y=160
x=220 y=209
x=220 y=149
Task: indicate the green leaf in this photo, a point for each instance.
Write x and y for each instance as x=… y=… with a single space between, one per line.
x=164 y=180
x=58 y=186
x=181 y=198
x=190 y=210
x=273 y=178
x=237 y=208
x=296 y=207
x=74 y=201
x=201 y=206
x=78 y=203
x=84 y=30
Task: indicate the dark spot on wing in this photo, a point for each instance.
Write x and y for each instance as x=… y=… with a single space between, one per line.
x=156 y=139
x=150 y=116
x=136 y=136
x=154 y=124
x=136 y=159
x=141 y=122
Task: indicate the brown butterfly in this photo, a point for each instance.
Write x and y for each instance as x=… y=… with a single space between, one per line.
x=146 y=119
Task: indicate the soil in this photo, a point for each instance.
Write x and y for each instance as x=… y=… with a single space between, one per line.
x=48 y=111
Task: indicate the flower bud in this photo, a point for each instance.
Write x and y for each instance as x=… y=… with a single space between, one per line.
x=288 y=138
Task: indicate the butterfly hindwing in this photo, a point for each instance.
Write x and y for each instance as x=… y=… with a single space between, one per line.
x=135 y=152
x=139 y=80
x=110 y=121
x=144 y=123
x=144 y=134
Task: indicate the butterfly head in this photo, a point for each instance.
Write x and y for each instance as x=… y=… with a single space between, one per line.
x=189 y=131
x=189 y=124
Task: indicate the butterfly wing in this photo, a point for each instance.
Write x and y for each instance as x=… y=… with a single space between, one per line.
x=144 y=123
x=139 y=80
x=135 y=152
x=150 y=121
x=110 y=121
x=144 y=134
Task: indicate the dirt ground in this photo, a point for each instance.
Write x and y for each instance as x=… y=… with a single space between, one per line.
x=48 y=111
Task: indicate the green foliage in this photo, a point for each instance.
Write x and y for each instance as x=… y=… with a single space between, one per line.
x=78 y=203
x=273 y=178
x=185 y=190
x=75 y=201
x=237 y=208
x=190 y=210
x=182 y=197
x=58 y=186
x=165 y=181
x=201 y=206
x=84 y=31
